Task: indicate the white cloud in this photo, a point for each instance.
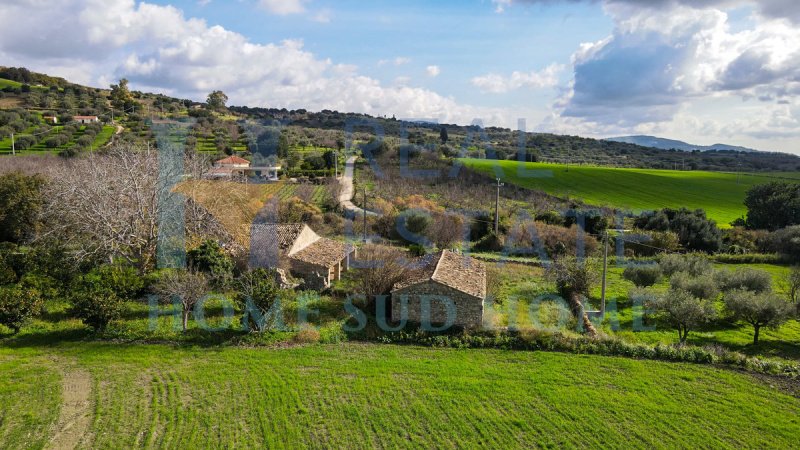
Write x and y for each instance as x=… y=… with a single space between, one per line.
x=498 y=84
x=283 y=7
x=659 y=60
x=433 y=71
x=159 y=49
x=398 y=61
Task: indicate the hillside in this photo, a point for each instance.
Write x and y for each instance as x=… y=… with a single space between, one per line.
x=242 y=129
x=721 y=195
x=668 y=144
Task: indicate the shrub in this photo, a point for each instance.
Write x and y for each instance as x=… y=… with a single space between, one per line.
x=122 y=280
x=489 y=243
x=554 y=239
x=18 y=304
x=644 y=275
x=209 y=258
x=757 y=309
x=259 y=287
x=787 y=242
x=703 y=286
x=307 y=335
x=691 y=264
x=47 y=287
x=695 y=231
x=95 y=303
x=650 y=243
x=748 y=279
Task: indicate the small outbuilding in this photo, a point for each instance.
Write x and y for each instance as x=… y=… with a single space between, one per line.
x=86 y=119
x=298 y=249
x=446 y=278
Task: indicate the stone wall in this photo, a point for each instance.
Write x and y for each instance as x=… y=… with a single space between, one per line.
x=468 y=309
x=314 y=277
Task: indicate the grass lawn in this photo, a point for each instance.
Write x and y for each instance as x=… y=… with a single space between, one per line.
x=717 y=193
x=367 y=396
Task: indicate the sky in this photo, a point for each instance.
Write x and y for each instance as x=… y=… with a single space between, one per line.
x=703 y=71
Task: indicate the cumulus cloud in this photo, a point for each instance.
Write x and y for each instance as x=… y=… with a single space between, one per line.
x=656 y=61
x=159 y=49
x=775 y=9
x=433 y=71
x=498 y=84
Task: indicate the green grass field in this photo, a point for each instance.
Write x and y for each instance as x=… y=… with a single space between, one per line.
x=719 y=194
x=4 y=83
x=381 y=396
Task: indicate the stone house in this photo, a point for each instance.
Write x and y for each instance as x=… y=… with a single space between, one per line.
x=444 y=275
x=299 y=250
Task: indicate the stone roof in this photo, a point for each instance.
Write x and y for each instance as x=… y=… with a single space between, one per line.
x=323 y=252
x=286 y=241
x=268 y=234
x=453 y=270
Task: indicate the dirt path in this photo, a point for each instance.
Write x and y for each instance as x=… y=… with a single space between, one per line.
x=76 y=413
x=346 y=194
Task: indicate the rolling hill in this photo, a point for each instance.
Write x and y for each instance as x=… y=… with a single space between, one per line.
x=668 y=144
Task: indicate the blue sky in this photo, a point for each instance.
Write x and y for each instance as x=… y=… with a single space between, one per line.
x=726 y=71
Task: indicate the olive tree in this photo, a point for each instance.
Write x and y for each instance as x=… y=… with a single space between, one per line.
x=574 y=280
x=683 y=311
x=761 y=310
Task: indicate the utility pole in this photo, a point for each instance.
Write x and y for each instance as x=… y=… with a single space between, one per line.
x=605 y=272
x=365 y=214
x=497 y=208
x=336 y=163
x=13 y=146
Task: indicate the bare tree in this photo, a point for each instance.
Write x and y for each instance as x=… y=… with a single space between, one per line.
x=109 y=206
x=187 y=286
x=446 y=230
x=380 y=268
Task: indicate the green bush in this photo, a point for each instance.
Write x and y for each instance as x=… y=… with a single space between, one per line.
x=643 y=275
x=18 y=304
x=489 y=243
x=211 y=259
x=95 y=302
x=692 y=264
x=259 y=287
x=122 y=280
x=703 y=286
x=753 y=280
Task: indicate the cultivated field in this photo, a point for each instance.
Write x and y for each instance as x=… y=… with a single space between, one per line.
x=367 y=396
x=719 y=194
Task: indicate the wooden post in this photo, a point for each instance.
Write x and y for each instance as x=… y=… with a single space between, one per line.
x=497 y=208
x=605 y=272
x=13 y=146
x=365 y=214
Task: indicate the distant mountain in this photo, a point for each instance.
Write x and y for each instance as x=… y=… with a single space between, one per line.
x=667 y=144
